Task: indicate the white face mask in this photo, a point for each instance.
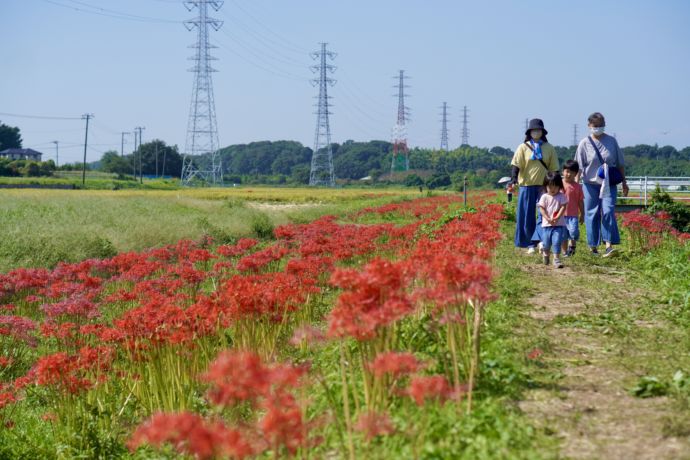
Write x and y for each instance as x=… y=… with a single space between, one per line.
x=536 y=134
x=598 y=131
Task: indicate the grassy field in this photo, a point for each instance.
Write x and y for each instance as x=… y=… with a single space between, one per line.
x=43 y=227
x=590 y=361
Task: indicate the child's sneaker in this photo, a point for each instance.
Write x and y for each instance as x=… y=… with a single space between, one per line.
x=609 y=252
x=546 y=258
x=557 y=262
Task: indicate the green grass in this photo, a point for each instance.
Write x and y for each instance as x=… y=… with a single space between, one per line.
x=43 y=227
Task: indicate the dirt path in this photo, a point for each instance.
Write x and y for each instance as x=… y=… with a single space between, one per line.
x=589 y=407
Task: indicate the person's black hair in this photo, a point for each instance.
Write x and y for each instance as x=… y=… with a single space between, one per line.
x=572 y=166
x=553 y=179
x=596 y=119
x=529 y=138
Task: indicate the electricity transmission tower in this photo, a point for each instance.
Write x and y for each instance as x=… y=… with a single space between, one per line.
x=401 y=159
x=322 y=158
x=465 y=130
x=444 y=127
x=575 y=138
x=202 y=130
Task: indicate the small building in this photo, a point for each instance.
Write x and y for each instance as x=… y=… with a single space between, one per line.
x=21 y=154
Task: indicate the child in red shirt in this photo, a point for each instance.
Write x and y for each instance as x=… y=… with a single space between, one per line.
x=575 y=207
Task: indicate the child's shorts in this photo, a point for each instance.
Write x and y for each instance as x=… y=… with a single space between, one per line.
x=572 y=226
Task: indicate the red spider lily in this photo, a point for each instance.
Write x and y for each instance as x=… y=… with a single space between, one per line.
x=76 y=306
x=373 y=298
x=434 y=387
x=18 y=327
x=395 y=363
x=649 y=231
x=269 y=295
x=282 y=424
x=191 y=434
x=261 y=259
x=239 y=376
x=374 y=424
x=5 y=361
x=69 y=372
x=242 y=246
x=6 y=398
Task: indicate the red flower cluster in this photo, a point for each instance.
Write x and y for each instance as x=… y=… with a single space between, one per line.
x=395 y=364
x=373 y=298
x=236 y=377
x=193 y=435
x=434 y=387
x=374 y=424
x=649 y=231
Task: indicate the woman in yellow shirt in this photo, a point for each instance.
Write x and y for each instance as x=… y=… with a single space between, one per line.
x=531 y=161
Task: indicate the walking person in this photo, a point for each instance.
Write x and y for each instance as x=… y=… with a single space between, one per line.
x=602 y=168
x=532 y=160
x=552 y=205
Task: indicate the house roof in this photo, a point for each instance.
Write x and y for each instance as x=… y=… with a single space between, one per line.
x=29 y=152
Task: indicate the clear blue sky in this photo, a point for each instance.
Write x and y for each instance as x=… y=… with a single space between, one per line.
x=506 y=60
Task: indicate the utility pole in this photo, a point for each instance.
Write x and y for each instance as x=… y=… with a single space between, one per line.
x=444 y=127
x=156 y=159
x=202 y=129
x=526 y=123
x=165 y=152
x=141 y=173
x=321 y=172
x=401 y=159
x=122 y=145
x=465 y=130
x=575 y=137
x=57 y=154
x=87 y=117
x=134 y=157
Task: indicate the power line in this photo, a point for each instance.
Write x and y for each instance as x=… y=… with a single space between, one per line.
x=40 y=117
x=287 y=44
x=109 y=13
x=258 y=66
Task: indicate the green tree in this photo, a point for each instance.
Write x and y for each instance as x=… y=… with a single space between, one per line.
x=10 y=137
x=112 y=162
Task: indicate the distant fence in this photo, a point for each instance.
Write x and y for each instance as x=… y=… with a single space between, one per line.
x=642 y=186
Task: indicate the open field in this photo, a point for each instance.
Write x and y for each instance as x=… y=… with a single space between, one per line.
x=43 y=227
x=399 y=328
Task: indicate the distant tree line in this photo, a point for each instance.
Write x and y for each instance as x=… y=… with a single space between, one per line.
x=289 y=162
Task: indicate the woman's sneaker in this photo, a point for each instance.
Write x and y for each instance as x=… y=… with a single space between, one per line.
x=610 y=251
x=557 y=262
x=594 y=251
x=530 y=250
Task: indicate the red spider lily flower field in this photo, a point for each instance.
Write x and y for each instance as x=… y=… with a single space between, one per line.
x=351 y=336
x=292 y=346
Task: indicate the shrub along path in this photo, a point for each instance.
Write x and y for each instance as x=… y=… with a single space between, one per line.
x=600 y=340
